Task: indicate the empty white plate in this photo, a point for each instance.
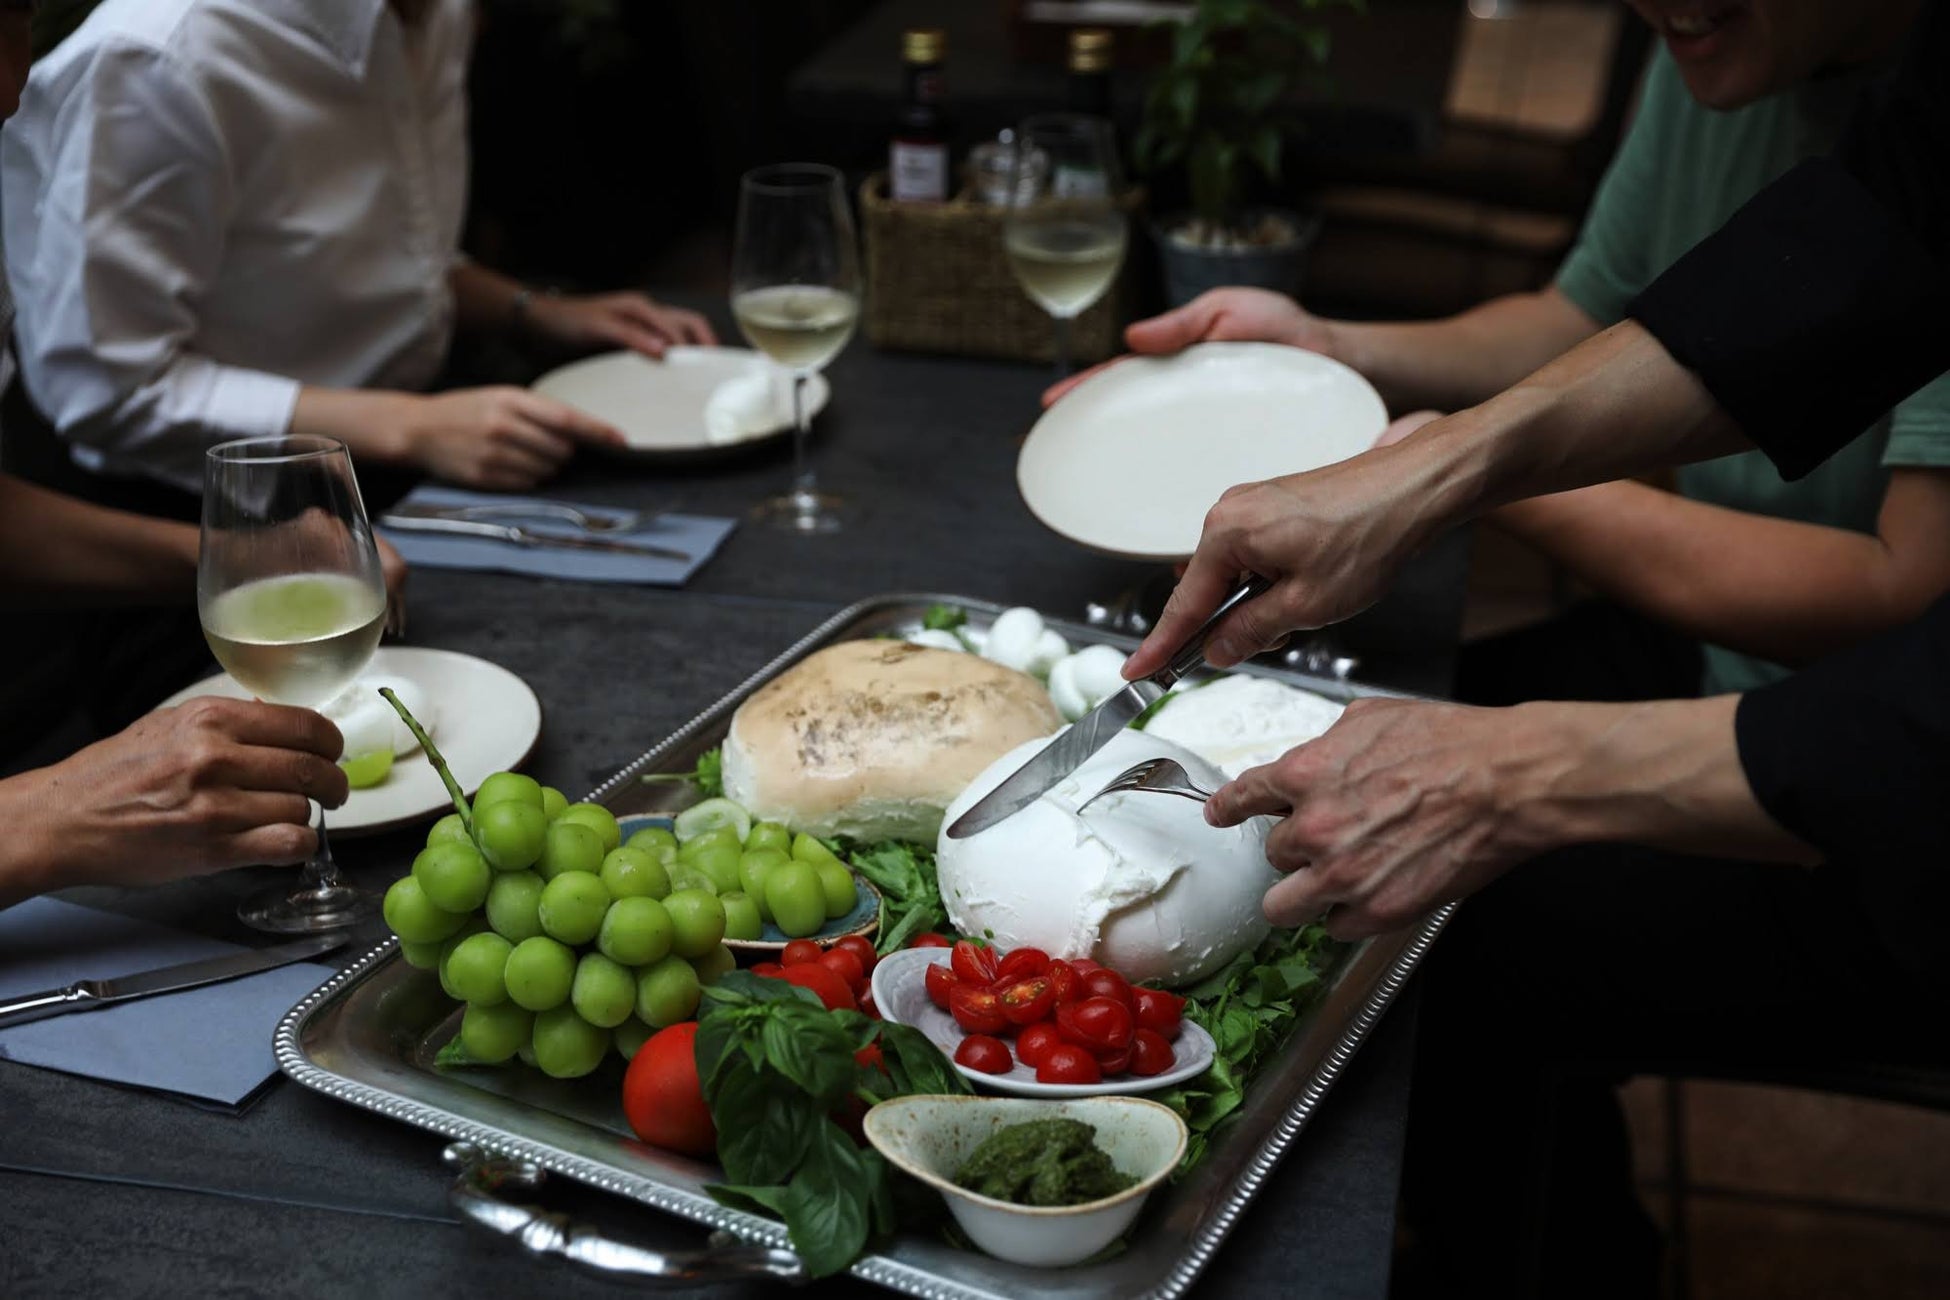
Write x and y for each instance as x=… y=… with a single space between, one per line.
x=487 y=720
x=694 y=401
x=1130 y=461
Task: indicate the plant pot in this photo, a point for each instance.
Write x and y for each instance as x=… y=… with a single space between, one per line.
x=1190 y=268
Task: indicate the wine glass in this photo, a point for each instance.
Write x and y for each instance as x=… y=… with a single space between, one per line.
x=1064 y=231
x=795 y=291
x=292 y=600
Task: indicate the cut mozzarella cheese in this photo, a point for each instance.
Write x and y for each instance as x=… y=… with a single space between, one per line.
x=369 y=724
x=1239 y=722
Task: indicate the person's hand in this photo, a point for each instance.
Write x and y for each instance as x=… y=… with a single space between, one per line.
x=204 y=786
x=503 y=439
x=1231 y=315
x=392 y=566
x=619 y=320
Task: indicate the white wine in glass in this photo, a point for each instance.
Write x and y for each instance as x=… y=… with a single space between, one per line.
x=1065 y=231
x=795 y=293
x=292 y=600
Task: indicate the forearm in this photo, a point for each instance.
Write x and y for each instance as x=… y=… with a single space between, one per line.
x=484 y=299
x=1464 y=359
x=375 y=424
x=54 y=546
x=28 y=863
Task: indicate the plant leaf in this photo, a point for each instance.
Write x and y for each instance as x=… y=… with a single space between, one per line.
x=1265 y=147
x=915 y=1064
x=944 y=618
x=826 y=1205
x=811 y=1050
x=752 y=1200
x=763 y=1135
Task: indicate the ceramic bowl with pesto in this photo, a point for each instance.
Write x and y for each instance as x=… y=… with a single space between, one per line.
x=933 y=1139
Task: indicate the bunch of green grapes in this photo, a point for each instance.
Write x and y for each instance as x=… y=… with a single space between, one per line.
x=757 y=873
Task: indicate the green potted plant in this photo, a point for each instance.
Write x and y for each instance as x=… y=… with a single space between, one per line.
x=1220 y=112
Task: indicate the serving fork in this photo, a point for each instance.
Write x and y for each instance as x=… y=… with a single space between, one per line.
x=1157 y=775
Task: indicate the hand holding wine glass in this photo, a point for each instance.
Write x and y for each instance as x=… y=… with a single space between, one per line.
x=1065 y=230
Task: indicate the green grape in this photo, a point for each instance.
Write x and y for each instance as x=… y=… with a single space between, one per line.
x=683 y=878
x=714 y=965
x=598 y=819
x=634 y=873
x=667 y=992
x=421 y=956
x=566 y=1045
x=539 y=973
x=741 y=918
x=572 y=906
x=510 y=834
x=454 y=876
x=367 y=770
x=449 y=828
x=711 y=815
x=720 y=867
x=797 y=902
x=412 y=915
x=630 y=1036
x=635 y=931
x=808 y=849
x=553 y=802
x=753 y=867
x=527 y=1049
x=770 y=835
x=657 y=840
x=841 y=892
x=475 y=969
x=710 y=841
x=569 y=846
x=493 y=1034
x=696 y=921
x=505 y=786
x=604 y=992
x=514 y=905
x=467 y=931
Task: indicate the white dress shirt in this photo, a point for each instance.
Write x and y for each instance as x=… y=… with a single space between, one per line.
x=209 y=203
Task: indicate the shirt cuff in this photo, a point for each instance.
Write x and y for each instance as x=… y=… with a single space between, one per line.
x=251 y=403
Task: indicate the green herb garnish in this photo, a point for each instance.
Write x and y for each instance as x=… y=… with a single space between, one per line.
x=910 y=900
x=1043 y=1162
x=707 y=776
x=944 y=618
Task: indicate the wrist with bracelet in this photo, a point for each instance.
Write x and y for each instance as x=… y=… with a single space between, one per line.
x=521 y=309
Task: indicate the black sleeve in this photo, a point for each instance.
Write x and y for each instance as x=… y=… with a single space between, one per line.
x=1853 y=756
x=1826 y=299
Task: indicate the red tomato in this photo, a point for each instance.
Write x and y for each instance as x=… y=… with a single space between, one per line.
x=1068 y=1063
x=662 y=1098
x=1106 y=983
x=862 y=949
x=1098 y=1024
x=867 y=1007
x=1114 y=1062
x=981 y=1052
x=973 y=963
x=1158 y=1010
x=799 y=952
x=1084 y=965
x=1151 y=1054
x=869 y=1058
x=1022 y=964
x=825 y=985
x=843 y=964
x=928 y=940
x=1027 y=1001
x=977 y=1011
x=1065 y=982
x=767 y=968
x=941 y=982
x=1033 y=1043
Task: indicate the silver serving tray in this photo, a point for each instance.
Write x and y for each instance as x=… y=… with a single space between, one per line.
x=368 y=1036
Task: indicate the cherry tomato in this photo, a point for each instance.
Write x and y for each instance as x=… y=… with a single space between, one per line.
x=1158 y=1010
x=767 y=968
x=843 y=964
x=981 y=1052
x=1084 y=965
x=862 y=949
x=661 y=1095
x=1114 y=1062
x=799 y=952
x=929 y=940
x=1097 y=1024
x=1151 y=1054
x=1027 y=1001
x=829 y=988
x=1065 y=982
x=1106 y=983
x=1068 y=1063
x=973 y=963
x=1022 y=964
x=867 y=1007
x=869 y=1058
x=1033 y=1043
x=941 y=982
x=977 y=1011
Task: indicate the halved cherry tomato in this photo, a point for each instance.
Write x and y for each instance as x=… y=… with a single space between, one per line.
x=1084 y=965
x=867 y=1006
x=981 y=1052
x=1027 y=1001
x=1022 y=964
x=977 y=1011
x=1064 y=980
x=862 y=949
x=825 y=985
x=1114 y=1062
x=929 y=940
x=869 y=1058
x=799 y=952
x=1151 y=1054
x=767 y=968
x=1107 y=983
x=1068 y=1063
x=973 y=963
x=1034 y=1043
x=1158 y=1010
x=843 y=964
x=941 y=981
x=1096 y=1024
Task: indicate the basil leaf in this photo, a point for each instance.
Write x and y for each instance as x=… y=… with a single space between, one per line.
x=916 y=1065
x=454 y=1054
x=769 y=1201
x=825 y=1206
x=762 y=1136
x=943 y=618
x=812 y=1051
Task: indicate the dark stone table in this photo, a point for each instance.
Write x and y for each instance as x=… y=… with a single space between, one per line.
x=110 y=1192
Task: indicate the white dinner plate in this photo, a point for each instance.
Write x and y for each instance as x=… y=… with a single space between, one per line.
x=487 y=721
x=900 y=991
x=665 y=407
x=1130 y=461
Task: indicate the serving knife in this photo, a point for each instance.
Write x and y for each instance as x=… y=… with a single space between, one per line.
x=92 y=995
x=1094 y=730
x=517 y=535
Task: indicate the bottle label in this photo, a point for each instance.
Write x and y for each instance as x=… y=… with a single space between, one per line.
x=917 y=173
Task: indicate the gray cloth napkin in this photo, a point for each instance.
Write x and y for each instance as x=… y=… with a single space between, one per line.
x=697 y=535
x=211 y=1043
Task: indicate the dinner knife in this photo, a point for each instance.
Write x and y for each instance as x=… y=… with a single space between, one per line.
x=519 y=536
x=92 y=995
x=1094 y=729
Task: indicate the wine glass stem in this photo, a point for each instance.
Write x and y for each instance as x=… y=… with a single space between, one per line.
x=803 y=484
x=323 y=869
x=1062 y=347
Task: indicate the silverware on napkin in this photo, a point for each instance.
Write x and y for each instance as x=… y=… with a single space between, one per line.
x=517 y=535
x=91 y=995
x=589 y=521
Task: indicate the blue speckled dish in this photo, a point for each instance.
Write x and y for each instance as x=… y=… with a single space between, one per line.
x=863 y=920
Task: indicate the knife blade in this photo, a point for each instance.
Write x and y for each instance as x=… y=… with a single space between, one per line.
x=91 y=995
x=516 y=535
x=1094 y=730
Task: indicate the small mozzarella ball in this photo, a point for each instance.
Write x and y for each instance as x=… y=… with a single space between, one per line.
x=1070 y=701
x=1013 y=638
x=1098 y=671
x=363 y=720
x=1050 y=647
x=937 y=638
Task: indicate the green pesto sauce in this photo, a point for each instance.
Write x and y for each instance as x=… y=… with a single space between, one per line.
x=1043 y=1162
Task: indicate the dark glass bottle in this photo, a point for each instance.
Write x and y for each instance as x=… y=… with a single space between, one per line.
x=1089 y=64
x=917 y=155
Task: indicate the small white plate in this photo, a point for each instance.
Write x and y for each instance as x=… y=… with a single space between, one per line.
x=900 y=990
x=661 y=405
x=1132 y=459
x=488 y=721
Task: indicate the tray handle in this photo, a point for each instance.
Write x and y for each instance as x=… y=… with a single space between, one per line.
x=481 y=1175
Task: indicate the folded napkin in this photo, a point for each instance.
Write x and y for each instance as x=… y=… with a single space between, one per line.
x=211 y=1043
x=696 y=535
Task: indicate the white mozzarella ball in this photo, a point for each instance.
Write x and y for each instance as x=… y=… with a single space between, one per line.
x=1050 y=647
x=1099 y=672
x=369 y=724
x=1013 y=637
x=1241 y=721
x=1070 y=701
x=936 y=638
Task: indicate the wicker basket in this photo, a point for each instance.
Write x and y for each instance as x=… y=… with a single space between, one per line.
x=938 y=281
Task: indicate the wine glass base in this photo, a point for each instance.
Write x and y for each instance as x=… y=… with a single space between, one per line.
x=284 y=910
x=804 y=511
